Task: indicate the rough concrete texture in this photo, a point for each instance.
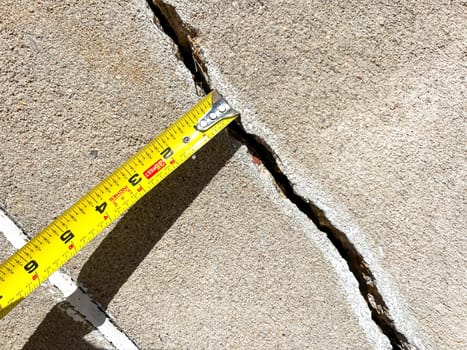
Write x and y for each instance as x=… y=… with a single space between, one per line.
x=19 y=328
x=364 y=104
x=207 y=260
x=83 y=88
x=216 y=264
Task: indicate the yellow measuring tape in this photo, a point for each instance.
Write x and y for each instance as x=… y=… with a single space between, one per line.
x=64 y=237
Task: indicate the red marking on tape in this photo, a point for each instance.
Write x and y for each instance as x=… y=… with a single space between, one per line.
x=172 y=161
x=154 y=169
x=71 y=246
x=34 y=277
x=139 y=189
x=119 y=194
x=105 y=217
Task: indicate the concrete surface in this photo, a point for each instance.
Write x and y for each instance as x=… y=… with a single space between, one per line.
x=214 y=258
x=19 y=329
x=82 y=88
x=364 y=104
x=228 y=269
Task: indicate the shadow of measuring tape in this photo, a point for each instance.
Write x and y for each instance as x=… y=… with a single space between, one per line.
x=135 y=235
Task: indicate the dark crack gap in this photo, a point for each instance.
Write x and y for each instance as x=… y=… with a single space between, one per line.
x=184 y=37
x=355 y=261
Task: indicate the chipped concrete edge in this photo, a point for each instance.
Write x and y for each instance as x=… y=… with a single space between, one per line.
x=154 y=34
x=308 y=187
x=344 y=277
x=170 y=22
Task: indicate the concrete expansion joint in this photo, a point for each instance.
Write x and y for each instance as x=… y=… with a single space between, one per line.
x=184 y=37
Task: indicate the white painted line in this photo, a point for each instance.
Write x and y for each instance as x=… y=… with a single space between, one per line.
x=80 y=301
x=12 y=232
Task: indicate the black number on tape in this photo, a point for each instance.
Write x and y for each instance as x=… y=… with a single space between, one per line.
x=67 y=236
x=101 y=208
x=31 y=266
x=134 y=179
x=167 y=153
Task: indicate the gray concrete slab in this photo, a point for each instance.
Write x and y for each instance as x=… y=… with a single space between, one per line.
x=70 y=331
x=82 y=87
x=364 y=103
x=211 y=260
x=207 y=260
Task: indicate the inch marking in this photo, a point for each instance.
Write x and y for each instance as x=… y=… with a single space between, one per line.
x=79 y=224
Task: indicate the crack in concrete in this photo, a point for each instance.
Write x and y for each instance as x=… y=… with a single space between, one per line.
x=185 y=39
x=168 y=21
x=355 y=261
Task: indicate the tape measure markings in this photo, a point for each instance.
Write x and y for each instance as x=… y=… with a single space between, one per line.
x=79 y=224
x=81 y=302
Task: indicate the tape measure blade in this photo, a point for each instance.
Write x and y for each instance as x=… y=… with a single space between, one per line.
x=21 y=273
